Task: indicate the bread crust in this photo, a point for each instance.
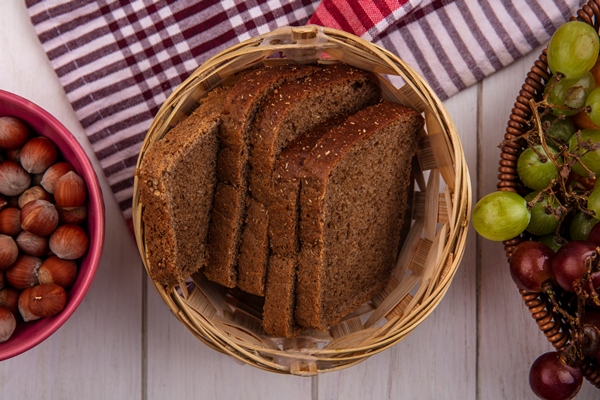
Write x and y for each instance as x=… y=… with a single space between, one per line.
x=175 y=220
x=293 y=109
x=241 y=105
x=350 y=224
x=280 y=289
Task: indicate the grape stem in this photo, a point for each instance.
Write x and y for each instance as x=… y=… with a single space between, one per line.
x=540 y=133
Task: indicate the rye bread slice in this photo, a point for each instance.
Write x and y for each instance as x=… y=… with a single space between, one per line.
x=294 y=108
x=353 y=196
x=280 y=288
x=177 y=182
x=241 y=104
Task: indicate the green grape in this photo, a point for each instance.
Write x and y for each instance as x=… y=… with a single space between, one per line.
x=581 y=225
x=552 y=241
x=559 y=129
x=568 y=96
x=591 y=159
x=573 y=49
x=534 y=172
x=542 y=222
x=593 y=104
x=500 y=216
x=593 y=203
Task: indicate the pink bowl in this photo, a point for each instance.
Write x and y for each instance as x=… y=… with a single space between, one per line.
x=30 y=334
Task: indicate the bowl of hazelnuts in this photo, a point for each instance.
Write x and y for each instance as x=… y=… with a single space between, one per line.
x=51 y=224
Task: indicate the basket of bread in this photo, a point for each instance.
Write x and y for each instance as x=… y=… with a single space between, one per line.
x=301 y=201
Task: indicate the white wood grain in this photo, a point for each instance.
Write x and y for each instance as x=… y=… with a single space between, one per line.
x=179 y=364
x=97 y=353
x=504 y=322
x=124 y=344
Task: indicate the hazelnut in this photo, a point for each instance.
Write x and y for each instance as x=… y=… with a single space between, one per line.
x=42 y=300
x=2 y=280
x=13 y=178
x=23 y=306
x=69 y=241
x=8 y=324
x=33 y=245
x=10 y=221
x=3 y=202
x=23 y=273
x=39 y=217
x=59 y=271
x=72 y=215
x=70 y=190
x=53 y=173
x=34 y=193
x=8 y=252
x=13 y=133
x=38 y=154
x=9 y=298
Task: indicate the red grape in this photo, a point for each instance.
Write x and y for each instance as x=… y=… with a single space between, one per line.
x=530 y=265
x=551 y=378
x=594 y=235
x=591 y=331
x=570 y=263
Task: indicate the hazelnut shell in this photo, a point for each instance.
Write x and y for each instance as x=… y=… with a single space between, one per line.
x=10 y=221
x=13 y=133
x=70 y=190
x=69 y=241
x=53 y=173
x=14 y=180
x=43 y=300
x=8 y=324
x=23 y=273
x=39 y=217
x=9 y=252
x=59 y=271
x=38 y=154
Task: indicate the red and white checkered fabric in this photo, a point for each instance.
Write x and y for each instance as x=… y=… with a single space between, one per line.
x=118 y=60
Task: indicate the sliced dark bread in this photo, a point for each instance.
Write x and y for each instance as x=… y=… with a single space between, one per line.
x=251 y=279
x=352 y=202
x=177 y=181
x=280 y=287
x=294 y=108
x=242 y=102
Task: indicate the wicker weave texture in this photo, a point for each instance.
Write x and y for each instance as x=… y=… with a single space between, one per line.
x=229 y=321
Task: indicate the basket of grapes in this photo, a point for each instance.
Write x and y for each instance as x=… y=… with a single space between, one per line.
x=547 y=207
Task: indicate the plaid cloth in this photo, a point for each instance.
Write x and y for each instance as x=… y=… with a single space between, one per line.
x=118 y=60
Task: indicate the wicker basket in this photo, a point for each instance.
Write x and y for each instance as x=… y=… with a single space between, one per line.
x=229 y=321
x=550 y=323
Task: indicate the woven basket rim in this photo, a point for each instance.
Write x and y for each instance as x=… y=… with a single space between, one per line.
x=309 y=44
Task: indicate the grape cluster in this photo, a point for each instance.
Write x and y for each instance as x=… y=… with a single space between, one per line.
x=556 y=210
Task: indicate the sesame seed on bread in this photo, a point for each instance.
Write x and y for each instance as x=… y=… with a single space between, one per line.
x=352 y=201
x=294 y=108
x=175 y=218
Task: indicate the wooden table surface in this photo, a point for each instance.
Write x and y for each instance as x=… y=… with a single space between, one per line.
x=123 y=342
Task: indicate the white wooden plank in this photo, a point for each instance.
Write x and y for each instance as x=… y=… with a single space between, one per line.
x=437 y=360
x=508 y=338
x=180 y=365
x=97 y=353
